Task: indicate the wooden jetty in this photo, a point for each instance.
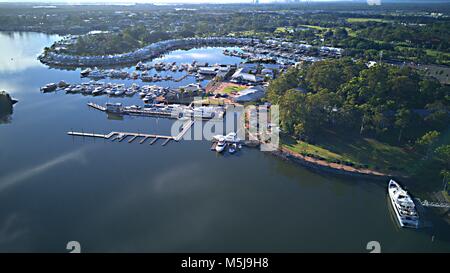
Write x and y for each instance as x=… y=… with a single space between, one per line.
x=181 y=78
x=121 y=136
x=89 y=135
x=427 y=203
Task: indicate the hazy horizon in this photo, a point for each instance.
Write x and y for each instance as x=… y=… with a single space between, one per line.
x=164 y=1
x=191 y=1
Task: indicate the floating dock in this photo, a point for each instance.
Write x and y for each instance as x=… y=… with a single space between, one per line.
x=96 y=106
x=136 y=112
x=152 y=112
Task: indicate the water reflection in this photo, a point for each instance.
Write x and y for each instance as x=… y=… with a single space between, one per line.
x=20 y=52
x=180 y=197
x=112 y=116
x=26 y=174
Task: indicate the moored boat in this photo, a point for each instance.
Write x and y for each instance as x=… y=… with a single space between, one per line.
x=85 y=72
x=49 y=87
x=403 y=206
x=221 y=145
x=232 y=148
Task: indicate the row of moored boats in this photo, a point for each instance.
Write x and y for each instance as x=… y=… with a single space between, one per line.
x=94 y=88
x=230 y=140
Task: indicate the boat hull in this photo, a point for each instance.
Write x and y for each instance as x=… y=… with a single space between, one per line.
x=404 y=223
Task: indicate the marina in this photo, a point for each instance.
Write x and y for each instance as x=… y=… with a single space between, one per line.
x=130 y=196
x=172 y=111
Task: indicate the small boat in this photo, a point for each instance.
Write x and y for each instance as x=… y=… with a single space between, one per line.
x=62 y=84
x=134 y=107
x=97 y=91
x=96 y=74
x=139 y=66
x=145 y=78
x=85 y=72
x=403 y=206
x=111 y=91
x=146 y=99
x=119 y=92
x=232 y=148
x=134 y=75
x=130 y=92
x=221 y=145
x=49 y=87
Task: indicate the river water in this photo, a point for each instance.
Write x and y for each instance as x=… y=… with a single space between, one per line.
x=121 y=197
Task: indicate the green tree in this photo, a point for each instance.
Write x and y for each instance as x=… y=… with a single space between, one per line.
x=403 y=119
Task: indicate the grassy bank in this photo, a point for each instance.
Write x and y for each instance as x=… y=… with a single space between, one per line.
x=364 y=20
x=358 y=151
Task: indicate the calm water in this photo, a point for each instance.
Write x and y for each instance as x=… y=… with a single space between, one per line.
x=120 y=197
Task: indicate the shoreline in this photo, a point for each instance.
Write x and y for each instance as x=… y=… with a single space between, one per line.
x=329 y=168
x=325 y=168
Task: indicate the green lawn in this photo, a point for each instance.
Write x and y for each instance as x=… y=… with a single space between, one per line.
x=434 y=53
x=351 y=32
x=363 y=20
x=358 y=150
x=283 y=29
x=230 y=89
x=304 y=147
x=315 y=27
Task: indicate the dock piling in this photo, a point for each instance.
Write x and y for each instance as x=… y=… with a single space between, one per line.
x=143 y=140
x=167 y=141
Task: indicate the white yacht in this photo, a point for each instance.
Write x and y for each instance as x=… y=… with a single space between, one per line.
x=221 y=144
x=98 y=91
x=119 y=92
x=130 y=92
x=403 y=206
x=96 y=74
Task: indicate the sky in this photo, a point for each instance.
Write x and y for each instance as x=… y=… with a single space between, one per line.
x=154 y=1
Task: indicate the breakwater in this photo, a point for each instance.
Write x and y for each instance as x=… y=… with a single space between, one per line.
x=148 y=52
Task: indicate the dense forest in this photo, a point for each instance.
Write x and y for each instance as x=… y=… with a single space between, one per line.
x=392 y=104
x=418 y=33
